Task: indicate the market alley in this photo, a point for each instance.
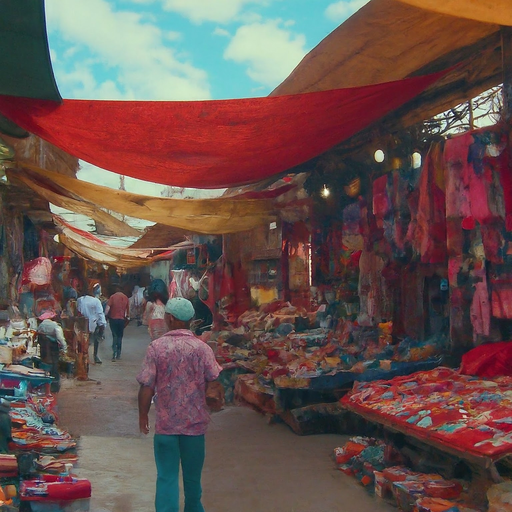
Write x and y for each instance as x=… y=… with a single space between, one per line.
x=250 y=466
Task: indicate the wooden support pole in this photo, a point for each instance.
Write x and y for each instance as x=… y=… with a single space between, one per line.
x=506 y=52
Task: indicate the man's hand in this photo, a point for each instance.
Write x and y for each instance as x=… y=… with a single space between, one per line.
x=144 y=424
x=145 y=395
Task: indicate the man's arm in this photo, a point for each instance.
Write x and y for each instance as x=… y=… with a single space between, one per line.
x=99 y=313
x=145 y=395
x=61 y=340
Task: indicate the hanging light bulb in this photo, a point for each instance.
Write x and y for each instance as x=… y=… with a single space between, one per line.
x=379 y=156
x=325 y=192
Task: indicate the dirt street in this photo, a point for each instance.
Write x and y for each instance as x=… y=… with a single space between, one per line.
x=250 y=466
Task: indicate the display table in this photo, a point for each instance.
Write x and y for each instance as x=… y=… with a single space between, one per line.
x=467 y=416
x=464 y=416
x=299 y=392
x=23 y=379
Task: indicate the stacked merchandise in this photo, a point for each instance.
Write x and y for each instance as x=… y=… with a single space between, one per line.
x=281 y=357
x=467 y=413
x=38 y=456
x=368 y=460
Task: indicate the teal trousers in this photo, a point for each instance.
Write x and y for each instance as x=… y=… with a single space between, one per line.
x=169 y=452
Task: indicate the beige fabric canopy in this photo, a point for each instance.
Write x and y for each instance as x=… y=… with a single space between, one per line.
x=488 y=11
x=207 y=216
x=115 y=226
x=385 y=40
x=394 y=39
x=91 y=248
x=94 y=249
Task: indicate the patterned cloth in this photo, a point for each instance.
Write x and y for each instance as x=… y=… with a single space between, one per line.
x=177 y=366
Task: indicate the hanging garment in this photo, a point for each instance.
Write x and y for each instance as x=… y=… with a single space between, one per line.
x=480 y=311
x=501 y=298
x=457 y=187
x=430 y=234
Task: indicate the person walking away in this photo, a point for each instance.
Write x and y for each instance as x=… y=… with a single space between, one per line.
x=137 y=304
x=91 y=308
x=118 y=314
x=52 y=344
x=155 y=309
x=178 y=367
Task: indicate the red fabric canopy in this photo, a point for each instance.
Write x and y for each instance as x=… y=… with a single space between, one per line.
x=209 y=144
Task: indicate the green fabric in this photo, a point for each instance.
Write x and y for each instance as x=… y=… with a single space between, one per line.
x=25 y=65
x=169 y=451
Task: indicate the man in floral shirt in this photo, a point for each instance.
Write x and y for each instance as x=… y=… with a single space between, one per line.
x=177 y=368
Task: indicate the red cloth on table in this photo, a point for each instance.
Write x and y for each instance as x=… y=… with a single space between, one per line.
x=489 y=360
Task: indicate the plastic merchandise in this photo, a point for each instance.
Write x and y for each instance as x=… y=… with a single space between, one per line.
x=443 y=489
x=55 y=488
x=399 y=474
x=353 y=447
x=383 y=487
x=440 y=505
x=406 y=494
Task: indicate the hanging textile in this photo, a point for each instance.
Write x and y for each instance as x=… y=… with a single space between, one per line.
x=116 y=226
x=428 y=235
x=210 y=144
x=208 y=216
x=92 y=248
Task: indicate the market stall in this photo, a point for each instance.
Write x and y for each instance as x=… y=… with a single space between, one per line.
x=465 y=414
x=276 y=367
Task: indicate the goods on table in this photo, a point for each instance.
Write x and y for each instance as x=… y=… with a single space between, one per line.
x=316 y=358
x=366 y=459
x=472 y=414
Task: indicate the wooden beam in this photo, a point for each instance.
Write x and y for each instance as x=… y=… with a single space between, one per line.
x=506 y=52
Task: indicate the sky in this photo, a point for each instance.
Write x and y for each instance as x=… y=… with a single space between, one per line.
x=181 y=50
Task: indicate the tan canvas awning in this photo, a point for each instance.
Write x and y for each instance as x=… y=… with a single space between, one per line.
x=393 y=39
x=488 y=11
x=207 y=216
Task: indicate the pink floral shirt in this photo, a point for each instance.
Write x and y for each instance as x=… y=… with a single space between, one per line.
x=177 y=366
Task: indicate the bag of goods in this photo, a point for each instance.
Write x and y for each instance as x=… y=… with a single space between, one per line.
x=399 y=474
x=443 y=489
x=353 y=447
x=440 y=505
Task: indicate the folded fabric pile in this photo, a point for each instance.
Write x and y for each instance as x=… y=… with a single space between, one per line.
x=469 y=413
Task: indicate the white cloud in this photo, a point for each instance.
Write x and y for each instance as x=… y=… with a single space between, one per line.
x=125 y=44
x=270 y=51
x=340 y=11
x=219 y=11
x=172 y=35
x=221 y=32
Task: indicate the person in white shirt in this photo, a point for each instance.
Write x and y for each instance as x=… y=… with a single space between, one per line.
x=91 y=308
